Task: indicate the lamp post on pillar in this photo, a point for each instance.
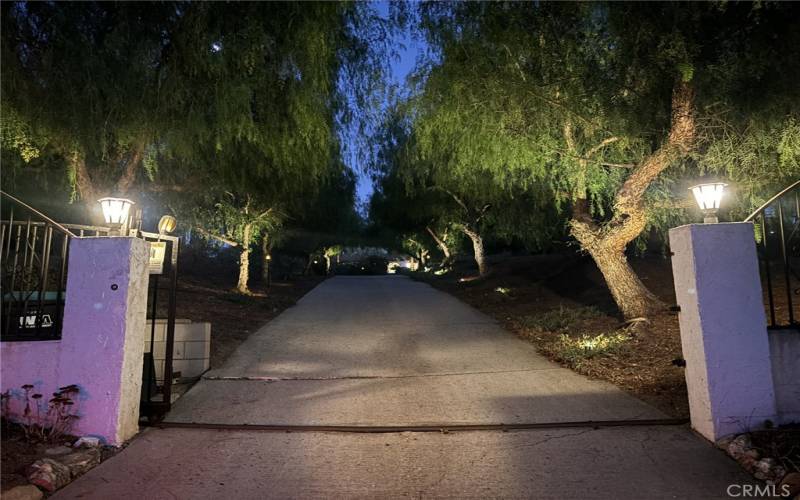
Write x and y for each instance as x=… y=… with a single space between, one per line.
x=116 y=212
x=708 y=197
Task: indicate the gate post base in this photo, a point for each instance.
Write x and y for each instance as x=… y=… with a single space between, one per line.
x=103 y=335
x=723 y=328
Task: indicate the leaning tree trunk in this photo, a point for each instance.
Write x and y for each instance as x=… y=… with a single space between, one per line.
x=440 y=242
x=244 y=261
x=631 y=296
x=606 y=243
x=477 y=247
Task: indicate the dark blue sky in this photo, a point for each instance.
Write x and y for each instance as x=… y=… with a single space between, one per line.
x=407 y=51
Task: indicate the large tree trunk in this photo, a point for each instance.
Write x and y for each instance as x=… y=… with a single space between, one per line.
x=606 y=243
x=88 y=190
x=244 y=261
x=441 y=244
x=477 y=247
x=327 y=265
x=631 y=296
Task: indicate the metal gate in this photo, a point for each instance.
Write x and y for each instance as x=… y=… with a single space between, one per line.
x=158 y=375
x=34 y=254
x=777 y=225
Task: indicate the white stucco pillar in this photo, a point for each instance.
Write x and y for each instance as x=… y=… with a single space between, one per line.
x=723 y=327
x=102 y=345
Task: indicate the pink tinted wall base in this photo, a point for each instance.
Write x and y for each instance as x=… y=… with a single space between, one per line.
x=102 y=341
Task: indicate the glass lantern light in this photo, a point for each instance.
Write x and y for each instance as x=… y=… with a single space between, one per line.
x=709 y=197
x=116 y=212
x=167 y=224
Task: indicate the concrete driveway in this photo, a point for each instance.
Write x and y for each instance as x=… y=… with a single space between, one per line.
x=391 y=351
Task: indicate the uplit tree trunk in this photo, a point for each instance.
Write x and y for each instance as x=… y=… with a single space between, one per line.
x=440 y=242
x=86 y=186
x=470 y=228
x=265 y=256
x=477 y=248
x=423 y=258
x=244 y=261
x=327 y=264
x=606 y=242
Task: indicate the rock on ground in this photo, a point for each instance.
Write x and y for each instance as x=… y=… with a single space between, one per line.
x=49 y=474
x=81 y=461
x=27 y=492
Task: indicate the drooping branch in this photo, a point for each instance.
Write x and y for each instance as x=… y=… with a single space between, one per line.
x=217 y=237
x=605 y=142
x=455 y=197
x=83 y=179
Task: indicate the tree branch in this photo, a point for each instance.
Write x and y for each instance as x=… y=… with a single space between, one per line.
x=453 y=195
x=129 y=175
x=605 y=142
x=216 y=237
x=601 y=163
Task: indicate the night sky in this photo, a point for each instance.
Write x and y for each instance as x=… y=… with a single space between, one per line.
x=407 y=51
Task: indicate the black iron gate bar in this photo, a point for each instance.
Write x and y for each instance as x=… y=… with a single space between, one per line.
x=788 y=247
x=32 y=313
x=156 y=403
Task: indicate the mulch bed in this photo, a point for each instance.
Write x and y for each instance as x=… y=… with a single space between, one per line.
x=520 y=289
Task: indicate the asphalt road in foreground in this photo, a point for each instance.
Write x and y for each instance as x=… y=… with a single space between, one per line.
x=388 y=351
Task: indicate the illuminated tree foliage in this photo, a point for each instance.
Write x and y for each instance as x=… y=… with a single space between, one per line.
x=430 y=207
x=226 y=111
x=118 y=89
x=605 y=108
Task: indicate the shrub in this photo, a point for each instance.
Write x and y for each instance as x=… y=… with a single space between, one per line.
x=561 y=319
x=573 y=350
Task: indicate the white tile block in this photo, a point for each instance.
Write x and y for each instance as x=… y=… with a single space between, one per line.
x=196 y=350
x=178 y=350
x=190 y=367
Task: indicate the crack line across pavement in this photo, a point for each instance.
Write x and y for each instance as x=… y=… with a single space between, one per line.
x=266 y=378
x=441 y=428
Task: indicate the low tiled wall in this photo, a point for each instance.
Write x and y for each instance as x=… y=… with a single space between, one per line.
x=191 y=351
x=784 y=348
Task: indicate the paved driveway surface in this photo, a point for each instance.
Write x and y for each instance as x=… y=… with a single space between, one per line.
x=391 y=351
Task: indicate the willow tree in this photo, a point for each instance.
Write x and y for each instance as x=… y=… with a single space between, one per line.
x=604 y=106
x=80 y=82
x=118 y=90
x=421 y=197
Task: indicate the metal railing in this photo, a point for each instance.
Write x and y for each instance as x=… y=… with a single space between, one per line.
x=33 y=273
x=777 y=228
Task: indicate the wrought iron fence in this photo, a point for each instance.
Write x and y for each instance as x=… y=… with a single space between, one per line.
x=777 y=228
x=33 y=272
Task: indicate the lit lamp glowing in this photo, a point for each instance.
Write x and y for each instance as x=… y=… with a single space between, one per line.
x=708 y=197
x=167 y=224
x=116 y=212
